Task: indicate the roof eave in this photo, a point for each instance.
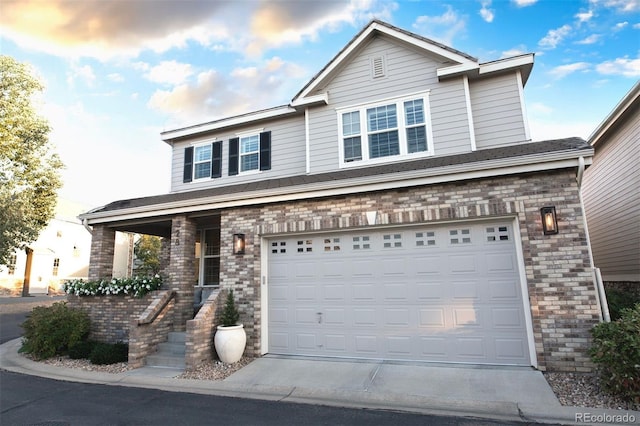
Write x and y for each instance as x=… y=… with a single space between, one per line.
x=480 y=169
x=620 y=109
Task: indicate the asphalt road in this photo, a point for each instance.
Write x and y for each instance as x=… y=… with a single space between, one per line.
x=31 y=400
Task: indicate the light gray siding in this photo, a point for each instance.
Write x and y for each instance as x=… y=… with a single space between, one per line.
x=288 y=155
x=408 y=71
x=497 y=111
x=612 y=202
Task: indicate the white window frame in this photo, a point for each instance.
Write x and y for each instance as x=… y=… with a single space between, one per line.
x=402 y=130
x=245 y=135
x=208 y=143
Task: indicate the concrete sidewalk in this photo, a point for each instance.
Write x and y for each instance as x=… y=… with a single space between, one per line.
x=500 y=393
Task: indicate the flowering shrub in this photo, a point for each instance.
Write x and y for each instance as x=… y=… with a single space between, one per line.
x=136 y=286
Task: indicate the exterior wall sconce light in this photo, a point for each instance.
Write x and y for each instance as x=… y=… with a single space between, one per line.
x=549 y=220
x=238 y=243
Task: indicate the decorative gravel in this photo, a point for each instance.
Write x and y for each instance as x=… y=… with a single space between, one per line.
x=215 y=370
x=584 y=390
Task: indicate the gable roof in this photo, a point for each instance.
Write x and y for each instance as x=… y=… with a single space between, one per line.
x=460 y=64
x=532 y=156
x=374 y=27
x=617 y=115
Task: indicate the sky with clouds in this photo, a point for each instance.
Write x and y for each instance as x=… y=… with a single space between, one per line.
x=117 y=73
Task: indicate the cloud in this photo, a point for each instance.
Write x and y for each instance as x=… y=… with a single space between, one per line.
x=621 y=66
x=442 y=28
x=524 y=3
x=108 y=29
x=83 y=73
x=620 y=26
x=554 y=37
x=584 y=16
x=593 y=38
x=212 y=95
x=636 y=26
x=564 y=70
x=622 y=6
x=169 y=72
x=540 y=109
x=486 y=13
x=115 y=77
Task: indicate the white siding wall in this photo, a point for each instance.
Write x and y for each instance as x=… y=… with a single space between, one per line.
x=407 y=71
x=287 y=154
x=612 y=202
x=497 y=111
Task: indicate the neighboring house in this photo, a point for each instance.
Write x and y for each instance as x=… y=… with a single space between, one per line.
x=611 y=192
x=60 y=253
x=392 y=210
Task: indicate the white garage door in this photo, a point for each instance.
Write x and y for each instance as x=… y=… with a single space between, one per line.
x=432 y=293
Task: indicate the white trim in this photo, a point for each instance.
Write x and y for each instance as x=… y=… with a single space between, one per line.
x=264 y=295
x=467 y=99
x=307 y=141
x=479 y=170
x=253 y=132
x=169 y=135
x=403 y=154
x=203 y=142
x=506 y=63
x=457 y=69
x=524 y=290
x=632 y=96
x=195 y=146
x=322 y=98
x=384 y=101
x=355 y=44
x=523 y=106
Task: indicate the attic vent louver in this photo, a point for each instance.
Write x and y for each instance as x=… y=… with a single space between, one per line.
x=377 y=67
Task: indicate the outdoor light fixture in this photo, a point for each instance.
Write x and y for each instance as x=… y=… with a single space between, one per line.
x=238 y=243
x=549 y=220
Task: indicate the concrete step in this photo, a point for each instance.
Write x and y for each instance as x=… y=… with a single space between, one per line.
x=165 y=361
x=170 y=354
x=177 y=337
x=175 y=349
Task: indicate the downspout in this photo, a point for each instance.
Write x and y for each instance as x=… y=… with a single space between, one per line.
x=307 y=140
x=601 y=296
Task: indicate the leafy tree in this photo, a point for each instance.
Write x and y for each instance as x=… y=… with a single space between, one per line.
x=147 y=252
x=29 y=170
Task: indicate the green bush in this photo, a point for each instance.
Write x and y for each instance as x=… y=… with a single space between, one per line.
x=616 y=351
x=109 y=353
x=52 y=330
x=619 y=300
x=82 y=350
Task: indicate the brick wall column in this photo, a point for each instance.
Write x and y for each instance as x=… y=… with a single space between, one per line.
x=103 y=240
x=182 y=272
x=165 y=256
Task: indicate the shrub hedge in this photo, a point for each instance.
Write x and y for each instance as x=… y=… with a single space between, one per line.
x=616 y=351
x=109 y=353
x=52 y=330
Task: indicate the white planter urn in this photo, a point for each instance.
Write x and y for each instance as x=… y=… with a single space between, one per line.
x=229 y=342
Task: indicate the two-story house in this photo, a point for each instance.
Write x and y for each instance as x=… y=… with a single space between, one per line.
x=396 y=208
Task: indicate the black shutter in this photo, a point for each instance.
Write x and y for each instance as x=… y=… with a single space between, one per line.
x=216 y=159
x=265 y=151
x=233 y=156
x=188 y=165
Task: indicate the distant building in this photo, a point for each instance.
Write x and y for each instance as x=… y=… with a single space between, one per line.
x=60 y=253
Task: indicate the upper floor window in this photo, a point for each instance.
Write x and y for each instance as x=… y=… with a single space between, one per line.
x=13 y=259
x=250 y=151
x=385 y=130
x=202 y=161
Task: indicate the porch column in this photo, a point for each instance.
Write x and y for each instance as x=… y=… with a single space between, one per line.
x=103 y=240
x=182 y=268
x=165 y=256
